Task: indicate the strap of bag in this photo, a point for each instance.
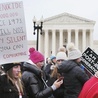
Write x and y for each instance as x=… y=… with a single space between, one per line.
x=42 y=77
x=44 y=82
x=51 y=96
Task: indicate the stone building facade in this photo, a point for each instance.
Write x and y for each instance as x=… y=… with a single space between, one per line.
x=64 y=28
x=32 y=43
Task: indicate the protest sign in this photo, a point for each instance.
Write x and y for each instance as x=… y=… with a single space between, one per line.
x=90 y=60
x=13 y=39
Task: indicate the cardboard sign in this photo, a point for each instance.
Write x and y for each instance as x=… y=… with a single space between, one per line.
x=13 y=39
x=90 y=60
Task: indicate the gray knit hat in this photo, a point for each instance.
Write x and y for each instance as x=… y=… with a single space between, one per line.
x=73 y=52
x=61 y=56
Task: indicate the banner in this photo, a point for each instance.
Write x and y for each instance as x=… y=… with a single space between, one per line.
x=90 y=60
x=13 y=39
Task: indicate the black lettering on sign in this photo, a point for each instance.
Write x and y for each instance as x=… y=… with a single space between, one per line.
x=4 y=32
x=4 y=48
x=19 y=46
x=15 y=21
x=15 y=39
x=18 y=30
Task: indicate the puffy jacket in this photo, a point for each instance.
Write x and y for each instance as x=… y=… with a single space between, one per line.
x=58 y=93
x=34 y=86
x=90 y=88
x=48 y=70
x=74 y=78
x=7 y=89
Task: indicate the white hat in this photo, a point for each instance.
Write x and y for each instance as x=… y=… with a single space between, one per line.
x=62 y=49
x=73 y=53
x=61 y=56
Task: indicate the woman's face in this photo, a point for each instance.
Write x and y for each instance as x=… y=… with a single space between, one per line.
x=40 y=64
x=16 y=71
x=59 y=61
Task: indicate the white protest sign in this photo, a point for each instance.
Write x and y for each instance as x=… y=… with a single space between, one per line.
x=13 y=39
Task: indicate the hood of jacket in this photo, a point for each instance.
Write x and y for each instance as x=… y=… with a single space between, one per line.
x=67 y=65
x=32 y=68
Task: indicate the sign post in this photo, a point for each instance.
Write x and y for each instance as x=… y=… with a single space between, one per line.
x=13 y=39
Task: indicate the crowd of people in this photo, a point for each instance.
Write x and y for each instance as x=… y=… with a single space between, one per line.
x=61 y=76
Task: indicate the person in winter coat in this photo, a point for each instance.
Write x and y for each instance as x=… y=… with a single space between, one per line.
x=49 y=66
x=74 y=76
x=90 y=88
x=10 y=83
x=34 y=78
x=60 y=57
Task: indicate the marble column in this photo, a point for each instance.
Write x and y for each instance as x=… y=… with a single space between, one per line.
x=53 y=42
x=76 y=38
x=83 y=40
x=69 y=35
x=46 y=45
x=91 y=38
x=61 y=38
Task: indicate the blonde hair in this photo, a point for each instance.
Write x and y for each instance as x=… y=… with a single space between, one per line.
x=19 y=82
x=55 y=73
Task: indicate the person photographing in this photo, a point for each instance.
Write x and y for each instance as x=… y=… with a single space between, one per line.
x=34 y=78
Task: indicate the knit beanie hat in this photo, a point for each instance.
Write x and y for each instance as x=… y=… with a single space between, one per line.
x=62 y=49
x=35 y=56
x=8 y=66
x=61 y=56
x=52 y=57
x=73 y=53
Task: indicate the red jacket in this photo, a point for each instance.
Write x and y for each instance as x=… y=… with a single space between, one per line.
x=90 y=89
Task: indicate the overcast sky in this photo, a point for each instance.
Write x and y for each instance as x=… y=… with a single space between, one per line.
x=47 y=8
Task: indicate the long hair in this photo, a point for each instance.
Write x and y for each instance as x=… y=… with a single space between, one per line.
x=19 y=82
x=55 y=73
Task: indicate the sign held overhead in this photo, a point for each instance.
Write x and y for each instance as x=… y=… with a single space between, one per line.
x=13 y=38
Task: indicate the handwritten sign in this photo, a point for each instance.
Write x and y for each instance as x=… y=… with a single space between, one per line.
x=13 y=39
x=90 y=60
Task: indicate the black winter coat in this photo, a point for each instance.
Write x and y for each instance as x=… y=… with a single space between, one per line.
x=74 y=78
x=48 y=70
x=32 y=79
x=7 y=89
x=58 y=93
